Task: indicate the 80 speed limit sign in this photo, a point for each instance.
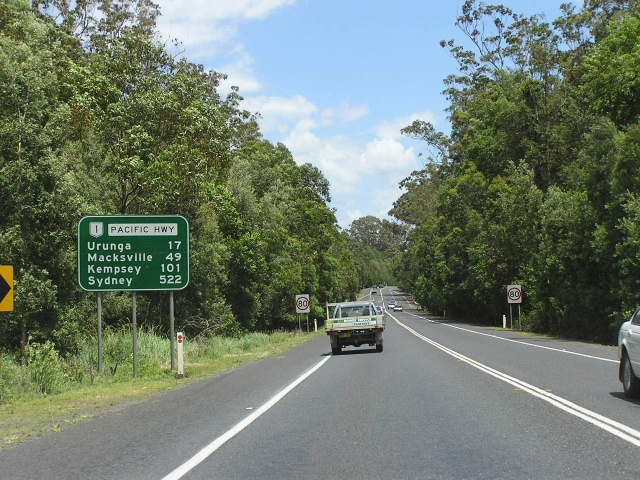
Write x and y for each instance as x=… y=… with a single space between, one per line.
x=514 y=293
x=303 y=304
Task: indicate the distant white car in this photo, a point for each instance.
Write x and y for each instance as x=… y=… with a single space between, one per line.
x=391 y=303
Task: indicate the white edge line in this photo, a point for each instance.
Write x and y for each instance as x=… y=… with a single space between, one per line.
x=568 y=352
x=616 y=428
x=225 y=437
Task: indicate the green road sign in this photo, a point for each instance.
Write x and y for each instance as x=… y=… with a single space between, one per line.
x=130 y=252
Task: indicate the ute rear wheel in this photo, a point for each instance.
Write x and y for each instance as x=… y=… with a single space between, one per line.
x=336 y=350
x=379 y=347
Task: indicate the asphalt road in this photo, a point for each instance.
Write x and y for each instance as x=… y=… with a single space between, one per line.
x=443 y=401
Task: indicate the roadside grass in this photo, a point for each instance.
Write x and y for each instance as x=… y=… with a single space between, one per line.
x=29 y=411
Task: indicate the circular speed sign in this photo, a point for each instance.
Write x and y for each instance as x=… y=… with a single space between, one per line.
x=514 y=294
x=303 y=304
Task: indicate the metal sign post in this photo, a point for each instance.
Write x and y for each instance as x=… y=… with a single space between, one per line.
x=134 y=325
x=519 y=319
x=510 y=316
x=100 y=363
x=171 y=332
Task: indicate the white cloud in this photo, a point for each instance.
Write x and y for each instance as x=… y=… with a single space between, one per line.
x=206 y=27
x=280 y=114
x=286 y=116
x=345 y=112
x=388 y=155
x=337 y=157
x=207 y=11
x=198 y=39
x=344 y=159
x=349 y=216
x=391 y=129
x=361 y=174
x=240 y=73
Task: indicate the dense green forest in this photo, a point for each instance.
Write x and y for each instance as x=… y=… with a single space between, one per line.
x=98 y=118
x=537 y=182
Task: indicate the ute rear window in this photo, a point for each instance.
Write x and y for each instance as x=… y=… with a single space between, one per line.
x=352 y=311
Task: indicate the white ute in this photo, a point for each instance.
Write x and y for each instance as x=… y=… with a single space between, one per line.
x=354 y=323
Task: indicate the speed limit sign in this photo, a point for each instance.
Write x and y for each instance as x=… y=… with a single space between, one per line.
x=514 y=293
x=303 y=304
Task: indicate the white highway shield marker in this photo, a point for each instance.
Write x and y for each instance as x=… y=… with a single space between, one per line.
x=616 y=428
x=222 y=439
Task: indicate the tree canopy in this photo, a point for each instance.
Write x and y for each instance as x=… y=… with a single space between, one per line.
x=536 y=183
x=98 y=118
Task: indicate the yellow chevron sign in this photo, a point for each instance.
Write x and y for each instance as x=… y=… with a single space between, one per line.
x=6 y=288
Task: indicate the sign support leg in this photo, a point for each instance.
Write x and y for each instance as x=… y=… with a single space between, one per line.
x=511 y=315
x=172 y=334
x=134 y=320
x=100 y=364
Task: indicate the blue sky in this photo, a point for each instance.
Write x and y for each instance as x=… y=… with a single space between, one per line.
x=335 y=80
